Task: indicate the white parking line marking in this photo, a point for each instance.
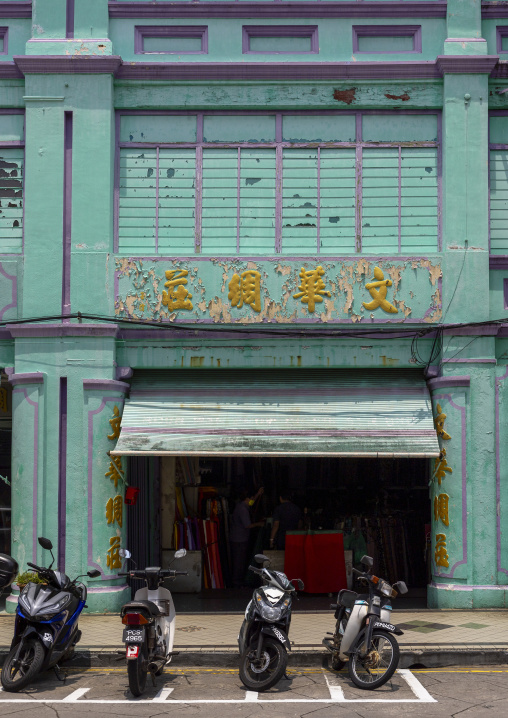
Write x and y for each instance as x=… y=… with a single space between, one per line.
x=163 y=694
x=420 y=691
x=336 y=692
x=75 y=695
x=251 y=696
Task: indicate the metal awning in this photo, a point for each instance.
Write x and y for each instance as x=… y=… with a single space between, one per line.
x=201 y=412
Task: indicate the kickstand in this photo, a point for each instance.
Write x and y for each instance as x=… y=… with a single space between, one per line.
x=287 y=677
x=58 y=673
x=153 y=679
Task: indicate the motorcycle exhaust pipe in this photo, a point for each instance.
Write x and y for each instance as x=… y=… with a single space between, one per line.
x=155 y=666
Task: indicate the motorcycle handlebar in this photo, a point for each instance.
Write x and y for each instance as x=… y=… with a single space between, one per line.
x=254 y=569
x=359 y=573
x=181 y=573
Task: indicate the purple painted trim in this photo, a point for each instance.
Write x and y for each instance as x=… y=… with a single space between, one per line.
x=66 y=64
x=62 y=474
x=123 y=372
x=505 y=292
x=69 y=19
x=190 y=31
x=59 y=330
x=35 y=377
x=4 y=35
x=443 y=382
x=35 y=483
x=498 y=261
x=91 y=414
x=244 y=71
x=238 y=197
x=157 y=182
x=466 y=587
x=116 y=188
x=9 y=71
x=462 y=410
x=464 y=64
x=67 y=216
x=275 y=432
x=498 y=472
x=270 y=257
x=359 y=183
x=318 y=203
x=400 y=202
x=501 y=31
x=107 y=589
x=14 y=298
x=494 y=10
x=105 y=385
x=277 y=9
x=500 y=72
x=9 y=370
x=309 y=31
x=469 y=361
x=16 y=9
x=412 y=31
x=490 y=330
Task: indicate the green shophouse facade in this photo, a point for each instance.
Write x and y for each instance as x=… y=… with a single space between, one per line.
x=315 y=189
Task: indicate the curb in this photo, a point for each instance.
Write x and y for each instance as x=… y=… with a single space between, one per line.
x=411 y=658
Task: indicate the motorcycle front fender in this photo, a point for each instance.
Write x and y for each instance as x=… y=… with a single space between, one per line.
x=278 y=634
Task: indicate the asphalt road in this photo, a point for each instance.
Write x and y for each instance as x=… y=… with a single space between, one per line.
x=218 y=693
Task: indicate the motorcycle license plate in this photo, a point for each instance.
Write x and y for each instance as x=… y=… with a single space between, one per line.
x=132 y=635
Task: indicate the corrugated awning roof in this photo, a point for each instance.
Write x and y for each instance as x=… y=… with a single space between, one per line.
x=384 y=413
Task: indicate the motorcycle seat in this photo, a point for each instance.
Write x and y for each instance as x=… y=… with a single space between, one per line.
x=137 y=605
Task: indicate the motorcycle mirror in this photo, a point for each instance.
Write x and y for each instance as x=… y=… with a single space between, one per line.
x=367 y=561
x=261 y=558
x=93 y=573
x=124 y=553
x=180 y=553
x=45 y=543
x=401 y=587
x=300 y=583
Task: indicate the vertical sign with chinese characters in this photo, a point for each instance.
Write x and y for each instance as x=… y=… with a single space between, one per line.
x=114 y=505
x=441 y=498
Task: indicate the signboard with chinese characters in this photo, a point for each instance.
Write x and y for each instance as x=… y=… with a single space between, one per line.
x=245 y=291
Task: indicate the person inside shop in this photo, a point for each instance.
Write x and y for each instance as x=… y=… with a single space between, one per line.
x=241 y=524
x=286 y=517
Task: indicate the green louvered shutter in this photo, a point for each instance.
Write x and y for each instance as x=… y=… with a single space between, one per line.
x=337 y=200
x=137 y=202
x=499 y=201
x=220 y=189
x=177 y=201
x=11 y=199
x=299 y=200
x=419 y=203
x=257 y=201
x=380 y=200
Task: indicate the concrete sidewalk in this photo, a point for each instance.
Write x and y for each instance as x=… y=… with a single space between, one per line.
x=431 y=638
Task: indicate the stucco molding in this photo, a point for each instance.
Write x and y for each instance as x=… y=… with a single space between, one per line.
x=35 y=377
x=499 y=261
x=442 y=382
x=63 y=330
x=494 y=10
x=275 y=10
x=123 y=372
x=66 y=64
x=9 y=71
x=19 y=8
x=464 y=64
x=105 y=385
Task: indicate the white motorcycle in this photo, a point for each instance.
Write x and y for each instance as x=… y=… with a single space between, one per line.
x=149 y=622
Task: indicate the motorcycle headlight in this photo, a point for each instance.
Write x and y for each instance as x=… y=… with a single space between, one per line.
x=270 y=613
x=384 y=588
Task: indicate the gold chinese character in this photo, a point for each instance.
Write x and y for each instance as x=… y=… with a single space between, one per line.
x=115 y=424
x=113 y=559
x=115 y=471
x=441 y=508
x=3 y=399
x=439 y=423
x=114 y=511
x=440 y=554
x=246 y=289
x=379 y=296
x=312 y=287
x=441 y=466
x=177 y=297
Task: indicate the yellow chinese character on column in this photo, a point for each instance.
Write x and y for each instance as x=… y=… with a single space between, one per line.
x=114 y=511
x=115 y=424
x=177 y=296
x=441 y=508
x=377 y=291
x=439 y=423
x=440 y=554
x=246 y=288
x=312 y=287
x=115 y=471
x=441 y=466
x=3 y=399
x=113 y=559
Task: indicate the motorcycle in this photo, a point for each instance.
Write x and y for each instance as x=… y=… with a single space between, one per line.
x=46 y=628
x=363 y=635
x=149 y=622
x=263 y=640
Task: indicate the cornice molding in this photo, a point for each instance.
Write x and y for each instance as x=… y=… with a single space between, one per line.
x=276 y=10
x=277 y=71
x=498 y=261
x=463 y=64
x=445 y=382
x=21 y=8
x=67 y=64
x=492 y=10
x=105 y=385
x=9 y=71
x=35 y=377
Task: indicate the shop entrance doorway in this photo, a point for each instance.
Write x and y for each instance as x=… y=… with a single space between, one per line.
x=381 y=506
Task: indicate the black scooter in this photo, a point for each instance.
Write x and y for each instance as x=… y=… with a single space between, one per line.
x=263 y=639
x=46 y=628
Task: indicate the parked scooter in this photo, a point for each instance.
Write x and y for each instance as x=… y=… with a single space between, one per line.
x=263 y=638
x=46 y=628
x=149 y=622
x=363 y=633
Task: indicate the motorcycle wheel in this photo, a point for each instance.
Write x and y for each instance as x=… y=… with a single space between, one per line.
x=265 y=673
x=378 y=666
x=30 y=659
x=137 y=670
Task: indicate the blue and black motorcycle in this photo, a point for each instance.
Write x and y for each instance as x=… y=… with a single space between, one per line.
x=46 y=628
